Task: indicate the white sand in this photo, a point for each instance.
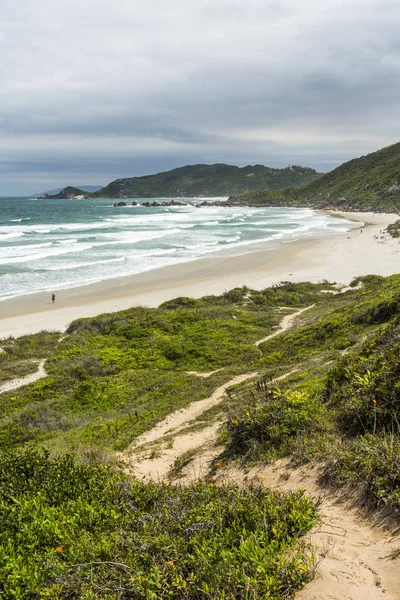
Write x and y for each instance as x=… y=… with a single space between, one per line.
x=337 y=258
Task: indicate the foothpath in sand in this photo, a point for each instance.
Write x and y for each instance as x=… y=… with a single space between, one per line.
x=159 y=462
x=355 y=560
x=14 y=384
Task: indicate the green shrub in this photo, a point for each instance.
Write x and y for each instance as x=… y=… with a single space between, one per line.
x=372 y=462
x=266 y=429
x=364 y=388
x=70 y=530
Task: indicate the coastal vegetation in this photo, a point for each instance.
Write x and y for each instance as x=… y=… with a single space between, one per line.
x=75 y=530
x=341 y=405
x=74 y=525
x=20 y=357
x=114 y=376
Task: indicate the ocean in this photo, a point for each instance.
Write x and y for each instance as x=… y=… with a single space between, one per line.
x=55 y=244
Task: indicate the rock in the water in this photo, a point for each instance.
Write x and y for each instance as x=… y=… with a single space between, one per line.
x=120 y=204
x=157 y=204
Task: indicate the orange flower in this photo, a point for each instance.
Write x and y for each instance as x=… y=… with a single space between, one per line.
x=219 y=465
x=59 y=550
x=374 y=402
x=170 y=563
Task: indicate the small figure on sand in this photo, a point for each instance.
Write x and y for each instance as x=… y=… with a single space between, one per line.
x=53 y=298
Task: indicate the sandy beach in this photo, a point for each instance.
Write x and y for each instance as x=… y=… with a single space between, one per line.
x=337 y=258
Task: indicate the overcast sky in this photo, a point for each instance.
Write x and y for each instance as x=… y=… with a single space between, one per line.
x=92 y=90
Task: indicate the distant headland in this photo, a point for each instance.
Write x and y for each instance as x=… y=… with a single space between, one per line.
x=199 y=180
x=368 y=183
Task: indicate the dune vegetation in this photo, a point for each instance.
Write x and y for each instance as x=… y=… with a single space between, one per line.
x=73 y=525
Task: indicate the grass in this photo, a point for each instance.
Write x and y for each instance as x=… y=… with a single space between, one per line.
x=114 y=376
x=182 y=461
x=73 y=530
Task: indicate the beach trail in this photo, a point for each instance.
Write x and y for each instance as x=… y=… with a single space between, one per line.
x=14 y=384
x=355 y=559
x=157 y=462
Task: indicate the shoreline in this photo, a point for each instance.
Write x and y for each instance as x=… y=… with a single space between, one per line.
x=337 y=258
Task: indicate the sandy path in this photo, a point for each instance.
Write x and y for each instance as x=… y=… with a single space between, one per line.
x=159 y=463
x=159 y=467
x=205 y=375
x=14 y=384
x=285 y=324
x=17 y=383
x=354 y=556
x=182 y=417
x=143 y=463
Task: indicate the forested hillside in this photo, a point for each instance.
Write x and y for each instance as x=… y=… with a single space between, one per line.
x=208 y=180
x=369 y=183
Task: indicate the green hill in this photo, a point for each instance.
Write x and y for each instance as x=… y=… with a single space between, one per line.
x=66 y=193
x=366 y=183
x=208 y=180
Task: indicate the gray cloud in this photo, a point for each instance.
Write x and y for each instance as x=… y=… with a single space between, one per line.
x=97 y=90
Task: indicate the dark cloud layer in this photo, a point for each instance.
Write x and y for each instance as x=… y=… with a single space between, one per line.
x=91 y=91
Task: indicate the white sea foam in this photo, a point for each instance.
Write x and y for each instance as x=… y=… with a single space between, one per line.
x=20 y=251
x=104 y=243
x=80 y=265
x=10 y=236
x=52 y=252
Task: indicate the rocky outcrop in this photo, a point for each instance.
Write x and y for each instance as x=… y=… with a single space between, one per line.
x=157 y=204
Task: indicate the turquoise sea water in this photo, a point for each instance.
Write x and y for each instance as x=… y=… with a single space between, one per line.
x=52 y=244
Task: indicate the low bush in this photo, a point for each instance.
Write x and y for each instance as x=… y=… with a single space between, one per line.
x=372 y=463
x=364 y=388
x=70 y=530
x=269 y=428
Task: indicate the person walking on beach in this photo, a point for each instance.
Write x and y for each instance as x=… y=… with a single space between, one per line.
x=53 y=298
